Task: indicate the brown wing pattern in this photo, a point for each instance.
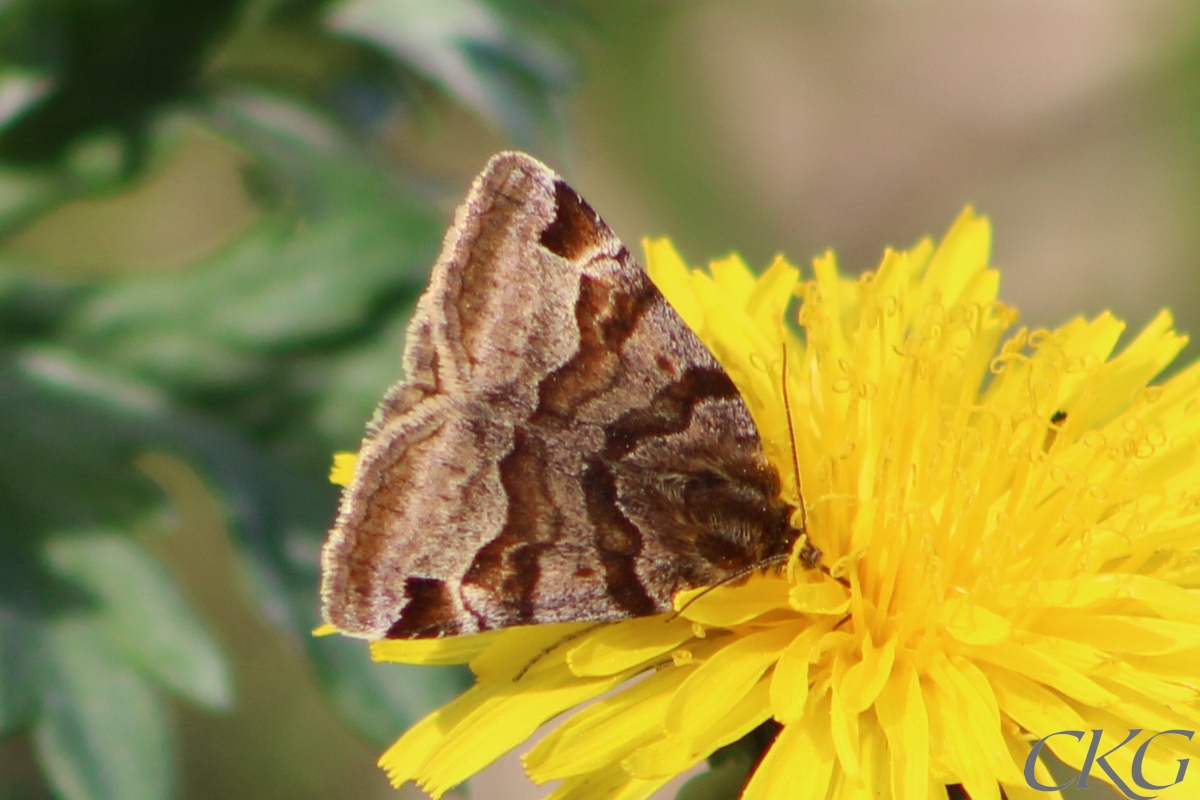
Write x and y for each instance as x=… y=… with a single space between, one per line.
x=563 y=447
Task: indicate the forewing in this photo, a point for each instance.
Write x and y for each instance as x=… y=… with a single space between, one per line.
x=522 y=471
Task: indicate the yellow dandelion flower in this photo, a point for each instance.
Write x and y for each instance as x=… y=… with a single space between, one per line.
x=1010 y=526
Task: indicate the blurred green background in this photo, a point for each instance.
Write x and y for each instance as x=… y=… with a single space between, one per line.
x=214 y=217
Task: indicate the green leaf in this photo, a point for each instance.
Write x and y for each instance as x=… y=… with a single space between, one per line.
x=723 y=781
x=103 y=734
x=381 y=700
x=279 y=522
x=112 y=66
x=70 y=437
x=286 y=283
x=356 y=381
x=340 y=234
x=143 y=615
x=31 y=308
x=253 y=335
x=20 y=89
x=730 y=767
x=471 y=52
x=19 y=662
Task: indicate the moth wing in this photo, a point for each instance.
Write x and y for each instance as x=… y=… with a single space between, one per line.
x=540 y=461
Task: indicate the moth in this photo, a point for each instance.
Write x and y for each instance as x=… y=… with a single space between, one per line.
x=562 y=448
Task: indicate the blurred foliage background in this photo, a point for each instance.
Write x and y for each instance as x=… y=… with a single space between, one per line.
x=215 y=215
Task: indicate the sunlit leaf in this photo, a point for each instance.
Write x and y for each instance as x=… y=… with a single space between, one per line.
x=19 y=666
x=280 y=519
x=253 y=333
x=69 y=437
x=103 y=733
x=380 y=700
x=140 y=611
x=722 y=782
x=471 y=51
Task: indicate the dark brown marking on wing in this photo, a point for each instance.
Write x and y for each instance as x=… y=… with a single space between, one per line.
x=374 y=513
x=670 y=411
x=665 y=365
x=714 y=502
x=576 y=227
x=430 y=611
x=606 y=315
x=618 y=542
x=507 y=567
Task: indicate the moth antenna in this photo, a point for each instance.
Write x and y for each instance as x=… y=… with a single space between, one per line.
x=548 y=650
x=787 y=409
x=741 y=573
x=814 y=560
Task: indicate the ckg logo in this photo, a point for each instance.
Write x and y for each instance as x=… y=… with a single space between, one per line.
x=1095 y=759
